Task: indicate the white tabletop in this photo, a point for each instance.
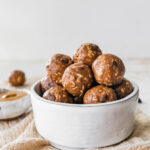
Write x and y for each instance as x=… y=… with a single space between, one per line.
x=137 y=70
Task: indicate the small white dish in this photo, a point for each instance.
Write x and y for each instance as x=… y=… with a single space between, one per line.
x=15 y=108
x=79 y=126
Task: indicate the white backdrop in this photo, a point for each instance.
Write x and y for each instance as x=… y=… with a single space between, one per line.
x=36 y=29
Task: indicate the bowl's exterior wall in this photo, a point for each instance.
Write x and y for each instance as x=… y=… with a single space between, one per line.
x=84 y=127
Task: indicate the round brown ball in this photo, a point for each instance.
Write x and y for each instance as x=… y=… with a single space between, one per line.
x=47 y=83
x=99 y=94
x=124 y=89
x=108 y=69
x=87 y=53
x=77 y=78
x=57 y=66
x=58 y=94
x=17 y=78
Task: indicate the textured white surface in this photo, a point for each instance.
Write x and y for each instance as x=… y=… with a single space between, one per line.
x=137 y=70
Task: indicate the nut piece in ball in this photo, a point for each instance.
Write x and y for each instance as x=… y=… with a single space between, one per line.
x=124 y=89
x=108 y=69
x=87 y=53
x=17 y=78
x=99 y=94
x=47 y=83
x=77 y=78
x=58 y=94
x=57 y=66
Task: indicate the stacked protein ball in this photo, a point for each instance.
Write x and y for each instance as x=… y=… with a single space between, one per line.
x=91 y=77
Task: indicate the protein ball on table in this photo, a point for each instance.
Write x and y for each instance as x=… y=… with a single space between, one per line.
x=123 y=89
x=108 y=69
x=99 y=94
x=58 y=94
x=77 y=78
x=87 y=53
x=17 y=78
x=47 y=83
x=57 y=66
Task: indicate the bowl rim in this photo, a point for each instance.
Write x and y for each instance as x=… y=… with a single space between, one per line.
x=129 y=97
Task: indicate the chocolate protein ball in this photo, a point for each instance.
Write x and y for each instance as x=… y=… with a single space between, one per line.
x=108 y=69
x=99 y=94
x=57 y=66
x=47 y=83
x=77 y=78
x=17 y=78
x=58 y=94
x=123 y=89
x=87 y=53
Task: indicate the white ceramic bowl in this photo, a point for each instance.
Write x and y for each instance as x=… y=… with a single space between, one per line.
x=13 y=109
x=77 y=126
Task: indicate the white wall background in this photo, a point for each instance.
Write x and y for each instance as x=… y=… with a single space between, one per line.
x=36 y=29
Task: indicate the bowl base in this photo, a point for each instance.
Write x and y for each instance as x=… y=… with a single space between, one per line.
x=73 y=148
x=64 y=147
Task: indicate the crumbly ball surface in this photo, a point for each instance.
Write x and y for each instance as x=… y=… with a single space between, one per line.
x=17 y=78
x=124 y=89
x=47 y=83
x=108 y=69
x=99 y=94
x=87 y=53
x=57 y=66
x=77 y=78
x=58 y=94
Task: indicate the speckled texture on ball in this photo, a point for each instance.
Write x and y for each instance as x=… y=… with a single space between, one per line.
x=17 y=78
x=57 y=66
x=99 y=94
x=87 y=53
x=58 y=94
x=123 y=89
x=77 y=78
x=47 y=83
x=108 y=69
